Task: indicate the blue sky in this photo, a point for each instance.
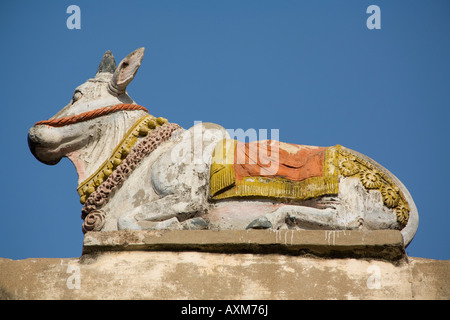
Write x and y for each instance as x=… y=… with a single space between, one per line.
x=311 y=69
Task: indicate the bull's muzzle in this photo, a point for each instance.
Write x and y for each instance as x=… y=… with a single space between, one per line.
x=37 y=148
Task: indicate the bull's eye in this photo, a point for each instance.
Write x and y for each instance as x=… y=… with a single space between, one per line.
x=76 y=96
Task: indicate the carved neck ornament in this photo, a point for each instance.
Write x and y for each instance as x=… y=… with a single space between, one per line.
x=140 y=129
x=92 y=212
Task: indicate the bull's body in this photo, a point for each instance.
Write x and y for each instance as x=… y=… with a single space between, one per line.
x=180 y=183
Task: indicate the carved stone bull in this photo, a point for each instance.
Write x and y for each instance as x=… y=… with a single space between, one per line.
x=137 y=171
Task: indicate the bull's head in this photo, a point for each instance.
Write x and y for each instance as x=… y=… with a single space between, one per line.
x=77 y=140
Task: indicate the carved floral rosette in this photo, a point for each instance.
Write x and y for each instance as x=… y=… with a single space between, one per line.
x=94 y=221
x=373 y=179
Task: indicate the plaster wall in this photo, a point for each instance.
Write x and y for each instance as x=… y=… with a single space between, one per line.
x=160 y=273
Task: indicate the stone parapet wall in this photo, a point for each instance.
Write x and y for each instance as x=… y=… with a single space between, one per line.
x=229 y=266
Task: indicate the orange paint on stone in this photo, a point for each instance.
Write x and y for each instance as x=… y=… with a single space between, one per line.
x=271 y=158
x=89 y=115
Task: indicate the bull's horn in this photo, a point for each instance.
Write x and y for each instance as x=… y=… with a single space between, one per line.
x=108 y=64
x=125 y=72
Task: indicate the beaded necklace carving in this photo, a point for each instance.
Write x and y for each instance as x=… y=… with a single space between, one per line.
x=140 y=128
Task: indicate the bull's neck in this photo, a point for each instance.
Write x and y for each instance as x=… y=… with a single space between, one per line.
x=98 y=158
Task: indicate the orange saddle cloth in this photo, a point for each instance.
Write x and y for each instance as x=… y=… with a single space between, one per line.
x=272 y=169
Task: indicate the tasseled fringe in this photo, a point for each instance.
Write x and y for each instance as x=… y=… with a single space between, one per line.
x=221 y=179
x=279 y=188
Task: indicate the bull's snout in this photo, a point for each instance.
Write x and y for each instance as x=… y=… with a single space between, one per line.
x=32 y=142
x=37 y=148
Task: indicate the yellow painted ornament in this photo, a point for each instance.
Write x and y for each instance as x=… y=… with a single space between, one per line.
x=141 y=129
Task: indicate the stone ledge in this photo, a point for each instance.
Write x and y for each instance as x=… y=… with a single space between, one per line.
x=162 y=275
x=378 y=244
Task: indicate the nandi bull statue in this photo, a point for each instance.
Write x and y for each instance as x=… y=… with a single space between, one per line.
x=140 y=172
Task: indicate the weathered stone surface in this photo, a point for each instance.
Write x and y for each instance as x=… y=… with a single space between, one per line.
x=230 y=265
x=427 y=281
x=381 y=244
x=207 y=275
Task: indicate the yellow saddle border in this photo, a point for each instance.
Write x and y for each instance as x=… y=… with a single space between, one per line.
x=224 y=185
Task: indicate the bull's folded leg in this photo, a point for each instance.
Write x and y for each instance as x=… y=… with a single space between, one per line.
x=292 y=216
x=303 y=217
x=169 y=224
x=127 y=221
x=164 y=213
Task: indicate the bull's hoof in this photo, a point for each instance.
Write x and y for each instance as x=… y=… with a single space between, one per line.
x=259 y=223
x=195 y=224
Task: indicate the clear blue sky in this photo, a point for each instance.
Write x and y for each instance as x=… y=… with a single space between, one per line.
x=311 y=69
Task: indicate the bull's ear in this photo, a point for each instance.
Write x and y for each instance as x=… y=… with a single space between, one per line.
x=125 y=72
